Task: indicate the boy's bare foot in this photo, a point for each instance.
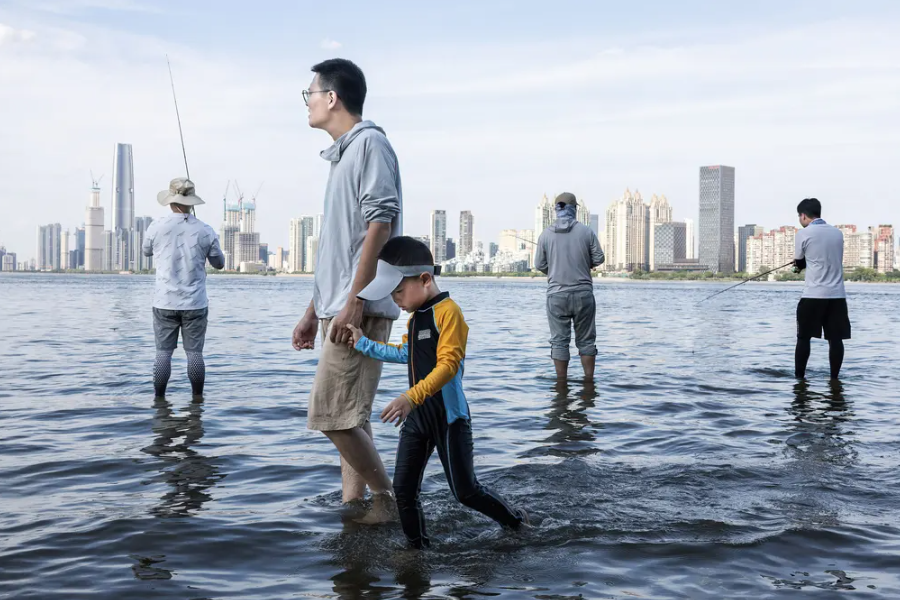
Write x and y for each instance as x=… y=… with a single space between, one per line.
x=384 y=510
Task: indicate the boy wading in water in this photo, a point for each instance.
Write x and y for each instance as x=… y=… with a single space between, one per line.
x=434 y=411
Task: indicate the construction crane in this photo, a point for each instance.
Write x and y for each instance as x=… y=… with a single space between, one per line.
x=225 y=202
x=253 y=198
x=240 y=194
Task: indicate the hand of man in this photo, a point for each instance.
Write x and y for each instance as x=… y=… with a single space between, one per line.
x=352 y=314
x=398 y=410
x=304 y=337
x=356 y=334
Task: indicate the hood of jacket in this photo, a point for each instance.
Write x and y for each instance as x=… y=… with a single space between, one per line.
x=334 y=152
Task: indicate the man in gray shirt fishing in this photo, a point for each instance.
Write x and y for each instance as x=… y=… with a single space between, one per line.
x=823 y=307
x=181 y=244
x=566 y=253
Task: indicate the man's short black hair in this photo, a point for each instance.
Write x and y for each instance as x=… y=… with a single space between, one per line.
x=810 y=207
x=405 y=251
x=346 y=80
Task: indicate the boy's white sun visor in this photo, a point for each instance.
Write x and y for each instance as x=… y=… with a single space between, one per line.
x=388 y=277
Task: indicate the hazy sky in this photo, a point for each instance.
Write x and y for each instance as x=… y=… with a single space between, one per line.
x=489 y=105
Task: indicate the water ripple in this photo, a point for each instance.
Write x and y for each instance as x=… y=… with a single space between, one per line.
x=695 y=466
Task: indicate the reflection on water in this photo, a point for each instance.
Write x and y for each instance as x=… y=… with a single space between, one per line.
x=572 y=429
x=819 y=427
x=189 y=473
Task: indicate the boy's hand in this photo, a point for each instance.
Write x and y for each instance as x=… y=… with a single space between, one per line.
x=356 y=334
x=398 y=410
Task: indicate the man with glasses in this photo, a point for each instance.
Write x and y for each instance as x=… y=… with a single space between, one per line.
x=363 y=210
x=566 y=253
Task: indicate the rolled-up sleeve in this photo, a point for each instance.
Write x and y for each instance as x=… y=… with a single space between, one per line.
x=215 y=256
x=379 y=197
x=147 y=246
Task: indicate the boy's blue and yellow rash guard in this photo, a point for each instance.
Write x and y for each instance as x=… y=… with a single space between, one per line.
x=434 y=348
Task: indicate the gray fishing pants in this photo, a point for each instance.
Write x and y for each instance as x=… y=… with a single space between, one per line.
x=565 y=309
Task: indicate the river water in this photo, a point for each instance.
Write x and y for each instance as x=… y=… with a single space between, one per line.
x=695 y=467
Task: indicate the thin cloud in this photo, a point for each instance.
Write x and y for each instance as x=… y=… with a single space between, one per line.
x=74 y=7
x=329 y=44
x=11 y=35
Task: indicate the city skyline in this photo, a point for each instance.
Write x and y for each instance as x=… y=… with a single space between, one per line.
x=57 y=249
x=243 y=115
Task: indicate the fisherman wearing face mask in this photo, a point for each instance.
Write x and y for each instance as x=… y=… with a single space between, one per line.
x=566 y=253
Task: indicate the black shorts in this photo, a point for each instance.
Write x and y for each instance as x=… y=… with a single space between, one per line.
x=817 y=314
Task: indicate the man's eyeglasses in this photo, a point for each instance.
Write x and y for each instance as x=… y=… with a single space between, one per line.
x=306 y=94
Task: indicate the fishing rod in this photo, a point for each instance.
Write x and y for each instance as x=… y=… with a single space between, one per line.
x=746 y=280
x=527 y=241
x=180 y=134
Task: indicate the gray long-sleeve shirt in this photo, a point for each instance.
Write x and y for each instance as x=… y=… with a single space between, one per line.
x=363 y=187
x=567 y=255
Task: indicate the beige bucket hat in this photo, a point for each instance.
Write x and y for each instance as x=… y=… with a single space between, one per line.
x=181 y=191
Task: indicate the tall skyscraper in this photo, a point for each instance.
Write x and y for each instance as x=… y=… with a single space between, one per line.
x=627 y=221
x=670 y=243
x=141 y=262
x=717 y=218
x=64 y=239
x=246 y=248
x=595 y=224
x=48 y=247
x=439 y=236
x=231 y=225
x=317 y=228
x=110 y=251
x=79 y=247
x=123 y=206
x=264 y=253
x=302 y=228
x=582 y=214
x=9 y=262
x=859 y=247
x=295 y=240
x=311 y=253
x=659 y=212
x=544 y=215
x=492 y=250
x=246 y=241
x=691 y=237
x=744 y=233
x=466 y=233
x=450 y=250
x=123 y=189
x=883 y=241
x=771 y=249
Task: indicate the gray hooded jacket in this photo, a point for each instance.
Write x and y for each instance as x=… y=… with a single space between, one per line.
x=566 y=253
x=363 y=187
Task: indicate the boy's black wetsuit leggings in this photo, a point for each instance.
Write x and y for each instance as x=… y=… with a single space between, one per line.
x=425 y=429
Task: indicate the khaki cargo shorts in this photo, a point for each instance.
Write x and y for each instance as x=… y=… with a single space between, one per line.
x=346 y=381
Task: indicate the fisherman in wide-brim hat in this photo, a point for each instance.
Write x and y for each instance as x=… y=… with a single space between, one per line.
x=180 y=302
